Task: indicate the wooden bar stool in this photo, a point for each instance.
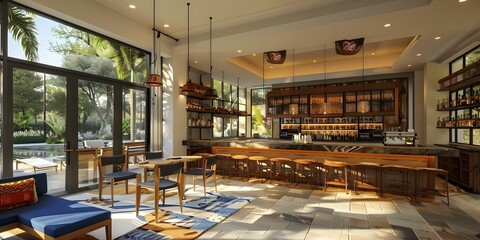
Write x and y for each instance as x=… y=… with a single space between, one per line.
x=239 y=165
x=198 y=164
x=365 y=181
x=423 y=174
x=407 y=177
x=261 y=165
x=305 y=169
x=336 y=167
x=224 y=161
x=285 y=168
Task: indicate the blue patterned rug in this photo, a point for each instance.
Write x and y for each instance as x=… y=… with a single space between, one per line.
x=174 y=225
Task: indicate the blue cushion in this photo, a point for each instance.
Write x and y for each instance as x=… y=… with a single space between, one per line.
x=40 y=181
x=164 y=184
x=198 y=171
x=120 y=176
x=56 y=216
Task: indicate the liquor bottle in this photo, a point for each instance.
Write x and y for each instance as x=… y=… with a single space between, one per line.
x=439 y=122
x=189 y=121
x=438 y=104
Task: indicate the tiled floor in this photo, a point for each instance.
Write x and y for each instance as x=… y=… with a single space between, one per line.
x=283 y=211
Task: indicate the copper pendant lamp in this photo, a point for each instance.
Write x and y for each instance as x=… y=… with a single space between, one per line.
x=154 y=79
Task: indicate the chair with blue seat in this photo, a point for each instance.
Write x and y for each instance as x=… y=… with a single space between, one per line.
x=119 y=172
x=161 y=183
x=207 y=170
x=150 y=156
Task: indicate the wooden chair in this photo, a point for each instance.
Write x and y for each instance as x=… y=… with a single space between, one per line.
x=208 y=169
x=149 y=156
x=160 y=183
x=134 y=149
x=119 y=173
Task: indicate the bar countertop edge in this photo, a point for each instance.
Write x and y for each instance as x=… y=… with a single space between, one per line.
x=358 y=147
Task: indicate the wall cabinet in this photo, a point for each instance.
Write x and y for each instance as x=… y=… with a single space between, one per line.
x=336 y=128
x=461 y=110
x=334 y=101
x=464 y=170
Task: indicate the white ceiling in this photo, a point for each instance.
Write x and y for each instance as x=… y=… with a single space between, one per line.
x=306 y=27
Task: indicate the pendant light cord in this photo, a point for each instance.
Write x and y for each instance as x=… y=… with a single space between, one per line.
x=293 y=69
x=188 y=40
x=154 y=42
x=211 y=67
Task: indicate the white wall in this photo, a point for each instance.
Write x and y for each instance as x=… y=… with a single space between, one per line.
x=419 y=107
x=432 y=73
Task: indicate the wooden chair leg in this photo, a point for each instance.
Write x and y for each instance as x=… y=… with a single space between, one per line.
x=215 y=180
x=163 y=197
x=112 y=184
x=193 y=179
x=155 y=204
x=137 y=199
x=100 y=188
x=108 y=231
x=126 y=186
x=180 y=197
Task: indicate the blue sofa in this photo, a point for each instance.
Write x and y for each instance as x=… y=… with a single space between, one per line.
x=54 y=217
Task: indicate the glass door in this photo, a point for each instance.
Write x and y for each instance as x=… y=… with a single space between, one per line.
x=39 y=114
x=95 y=123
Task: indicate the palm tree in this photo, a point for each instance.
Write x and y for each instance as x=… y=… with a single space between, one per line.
x=22 y=26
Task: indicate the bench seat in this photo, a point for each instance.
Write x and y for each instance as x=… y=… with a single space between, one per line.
x=52 y=217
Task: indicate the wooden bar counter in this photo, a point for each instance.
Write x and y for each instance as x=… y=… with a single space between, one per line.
x=352 y=153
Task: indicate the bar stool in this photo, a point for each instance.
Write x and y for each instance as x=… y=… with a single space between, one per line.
x=305 y=169
x=429 y=174
x=285 y=167
x=239 y=164
x=224 y=161
x=198 y=164
x=339 y=168
x=261 y=165
x=405 y=180
x=365 y=181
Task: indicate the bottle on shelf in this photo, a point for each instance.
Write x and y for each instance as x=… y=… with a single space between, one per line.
x=439 y=122
x=189 y=121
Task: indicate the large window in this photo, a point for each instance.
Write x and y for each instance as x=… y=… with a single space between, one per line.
x=261 y=125
x=40 y=39
x=231 y=98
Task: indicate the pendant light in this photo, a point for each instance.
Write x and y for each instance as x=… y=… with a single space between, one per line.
x=154 y=79
x=325 y=106
x=364 y=104
x=293 y=107
x=212 y=93
x=188 y=87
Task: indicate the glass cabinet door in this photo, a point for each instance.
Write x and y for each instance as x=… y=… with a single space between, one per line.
x=350 y=102
x=376 y=100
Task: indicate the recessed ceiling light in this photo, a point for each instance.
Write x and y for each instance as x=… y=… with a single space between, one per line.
x=462 y=1
x=438 y=38
x=387 y=25
x=409 y=65
x=314 y=60
x=373 y=53
x=131 y=6
x=239 y=51
x=196 y=61
x=419 y=54
x=254 y=54
x=271 y=66
x=166 y=25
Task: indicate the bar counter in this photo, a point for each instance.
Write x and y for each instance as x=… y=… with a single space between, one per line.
x=356 y=147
